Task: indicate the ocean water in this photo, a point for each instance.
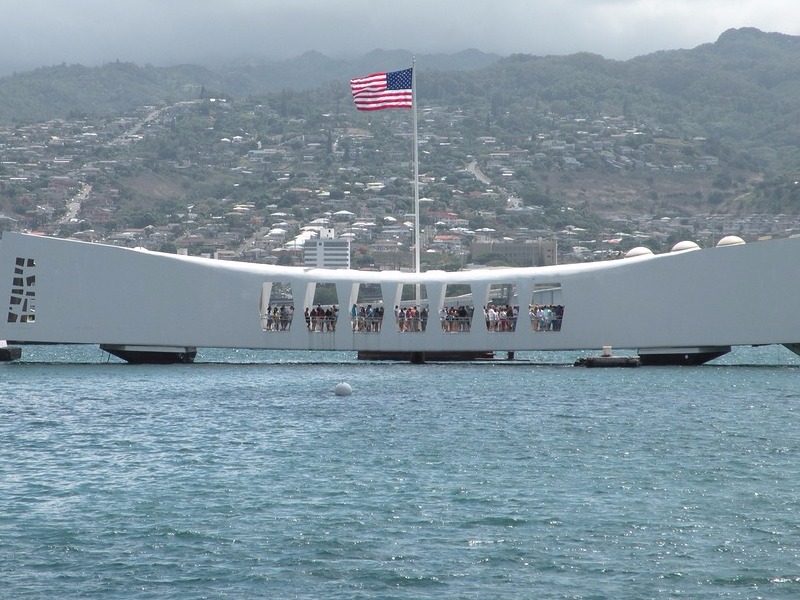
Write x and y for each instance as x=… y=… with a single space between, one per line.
x=245 y=476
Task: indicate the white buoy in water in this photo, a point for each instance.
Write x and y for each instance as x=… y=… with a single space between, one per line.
x=342 y=389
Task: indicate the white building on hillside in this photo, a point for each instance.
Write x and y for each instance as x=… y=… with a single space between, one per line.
x=326 y=251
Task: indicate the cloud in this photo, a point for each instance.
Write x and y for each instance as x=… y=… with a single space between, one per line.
x=163 y=32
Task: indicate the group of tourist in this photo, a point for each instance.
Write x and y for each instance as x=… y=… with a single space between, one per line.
x=321 y=320
x=367 y=318
x=453 y=319
x=456 y=318
x=546 y=317
x=278 y=318
x=411 y=318
x=501 y=317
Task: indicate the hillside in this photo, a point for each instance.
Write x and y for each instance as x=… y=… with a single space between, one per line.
x=743 y=89
x=119 y=87
x=562 y=142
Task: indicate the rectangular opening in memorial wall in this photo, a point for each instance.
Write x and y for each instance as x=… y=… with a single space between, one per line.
x=277 y=306
x=411 y=315
x=323 y=314
x=502 y=309
x=366 y=315
x=546 y=310
x=459 y=308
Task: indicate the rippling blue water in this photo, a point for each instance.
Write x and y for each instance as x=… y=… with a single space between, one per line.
x=244 y=476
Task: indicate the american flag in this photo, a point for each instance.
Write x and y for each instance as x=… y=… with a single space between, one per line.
x=383 y=90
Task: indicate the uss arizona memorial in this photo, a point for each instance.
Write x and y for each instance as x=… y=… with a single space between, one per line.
x=683 y=307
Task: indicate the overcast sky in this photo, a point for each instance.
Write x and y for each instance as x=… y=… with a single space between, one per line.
x=37 y=33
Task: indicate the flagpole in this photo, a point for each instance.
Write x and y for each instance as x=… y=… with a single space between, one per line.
x=417 y=243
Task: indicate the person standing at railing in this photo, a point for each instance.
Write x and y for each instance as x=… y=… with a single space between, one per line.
x=463 y=318
x=547 y=312
x=491 y=317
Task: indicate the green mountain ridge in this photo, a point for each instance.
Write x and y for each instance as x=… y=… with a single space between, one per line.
x=735 y=99
x=743 y=88
x=115 y=88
